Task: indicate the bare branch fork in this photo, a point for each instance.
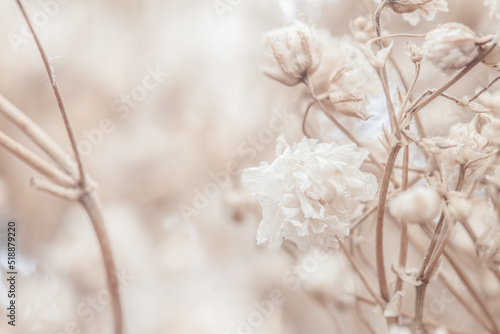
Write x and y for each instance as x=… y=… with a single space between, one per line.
x=62 y=177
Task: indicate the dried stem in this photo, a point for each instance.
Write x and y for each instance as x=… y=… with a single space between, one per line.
x=35 y=162
x=382 y=73
x=92 y=204
x=419 y=309
x=64 y=114
x=379 y=239
x=472 y=290
x=484 y=89
x=71 y=186
x=304 y=120
x=437 y=231
x=450 y=83
x=432 y=245
x=403 y=246
x=442 y=278
x=36 y=134
x=380 y=38
x=342 y=128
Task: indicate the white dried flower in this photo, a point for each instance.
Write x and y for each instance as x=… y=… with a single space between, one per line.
x=492 y=131
x=296 y=52
x=310 y=193
x=470 y=146
x=416 y=205
x=488 y=248
x=450 y=46
x=413 y=10
x=494 y=6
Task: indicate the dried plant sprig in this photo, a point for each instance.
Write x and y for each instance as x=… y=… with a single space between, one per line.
x=55 y=88
x=35 y=162
x=70 y=186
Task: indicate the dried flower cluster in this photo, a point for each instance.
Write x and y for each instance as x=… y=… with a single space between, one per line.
x=315 y=194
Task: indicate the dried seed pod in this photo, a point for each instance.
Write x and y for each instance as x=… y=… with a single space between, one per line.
x=450 y=47
x=296 y=50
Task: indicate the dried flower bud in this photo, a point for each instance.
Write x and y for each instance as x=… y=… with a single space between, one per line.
x=377 y=59
x=492 y=58
x=416 y=205
x=414 y=52
x=488 y=248
x=459 y=206
x=450 y=46
x=492 y=131
x=297 y=51
x=413 y=10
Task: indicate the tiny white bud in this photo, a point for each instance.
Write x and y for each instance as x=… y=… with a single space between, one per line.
x=416 y=205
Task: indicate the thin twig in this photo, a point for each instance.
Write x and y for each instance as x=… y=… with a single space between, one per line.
x=37 y=135
x=379 y=238
x=64 y=114
x=35 y=162
x=484 y=89
x=474 y=293
x=403 y=246
x=450 y=83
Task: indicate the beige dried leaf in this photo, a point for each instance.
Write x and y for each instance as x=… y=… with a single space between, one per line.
x=408 y=275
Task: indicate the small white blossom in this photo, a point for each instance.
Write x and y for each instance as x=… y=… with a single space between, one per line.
x=413 y=10
x=310 y=193
x=494 y=6
x=296 y=52
x=450 y=46
x=416 y=205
